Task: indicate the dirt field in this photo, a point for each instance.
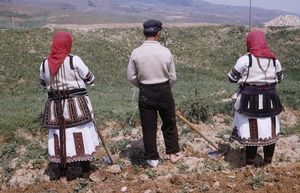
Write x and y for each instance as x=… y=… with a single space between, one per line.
x=196 y=172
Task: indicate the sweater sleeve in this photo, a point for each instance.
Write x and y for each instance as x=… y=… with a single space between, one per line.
x=132 y=73
x=172 y=72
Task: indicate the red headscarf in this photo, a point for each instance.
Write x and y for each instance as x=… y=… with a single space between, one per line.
x=257 y=45
x=61 y=47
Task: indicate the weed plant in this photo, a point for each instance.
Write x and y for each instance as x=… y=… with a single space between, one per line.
x=183 y=169
x=119 y=145
x=257 y=181
x=203 y=57
x=35 y=153
x=213 y=165
x=152 y=174
x=292 y=130
x=7 y=153
x=83 y=185
x=224 y=135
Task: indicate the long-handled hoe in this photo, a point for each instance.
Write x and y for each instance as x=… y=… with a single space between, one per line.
x=211 y=154
x=104 y=144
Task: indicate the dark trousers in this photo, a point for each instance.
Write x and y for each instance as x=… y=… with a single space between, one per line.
x=153 y=99
x=252 y=150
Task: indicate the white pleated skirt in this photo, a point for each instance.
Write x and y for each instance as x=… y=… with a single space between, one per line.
x=255 y=131
x=82 y=143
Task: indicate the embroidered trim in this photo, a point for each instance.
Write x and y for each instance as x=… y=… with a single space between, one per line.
x=253 y=129
x=76 y=112
x=76 y=158
x=273 y=126
x=79 y=146
x=257 y=142
x=56 y=146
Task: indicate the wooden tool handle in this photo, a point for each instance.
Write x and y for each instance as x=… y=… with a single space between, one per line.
x=104 y=144
x=195 y=129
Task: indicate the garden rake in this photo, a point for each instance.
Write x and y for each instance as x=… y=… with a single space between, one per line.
x=211 y=154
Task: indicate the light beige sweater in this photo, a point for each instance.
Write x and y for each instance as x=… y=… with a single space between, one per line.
x=151 y=63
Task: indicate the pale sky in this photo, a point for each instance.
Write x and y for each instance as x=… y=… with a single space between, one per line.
x=292 y=6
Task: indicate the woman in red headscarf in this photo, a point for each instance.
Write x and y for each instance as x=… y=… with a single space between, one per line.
x=68 y=111
x=256 y=101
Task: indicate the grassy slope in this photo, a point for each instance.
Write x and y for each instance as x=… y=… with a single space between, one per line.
x=203 y=57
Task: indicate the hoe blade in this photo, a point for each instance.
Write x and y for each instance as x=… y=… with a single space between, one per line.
x=215 y=154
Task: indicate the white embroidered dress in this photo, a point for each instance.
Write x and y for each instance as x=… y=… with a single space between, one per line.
x=82 y=140
x=251 y=131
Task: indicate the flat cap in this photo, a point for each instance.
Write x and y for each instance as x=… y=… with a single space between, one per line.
x=152 y=23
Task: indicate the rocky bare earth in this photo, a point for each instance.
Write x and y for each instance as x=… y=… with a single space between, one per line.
x=196 y=172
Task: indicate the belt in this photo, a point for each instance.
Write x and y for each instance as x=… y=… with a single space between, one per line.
x=155 y=85
x=263 y=89
x=67 y=94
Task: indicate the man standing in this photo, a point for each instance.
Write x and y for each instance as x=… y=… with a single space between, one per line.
x=151 y=68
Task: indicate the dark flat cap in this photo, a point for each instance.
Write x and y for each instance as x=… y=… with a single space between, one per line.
x=152 y=23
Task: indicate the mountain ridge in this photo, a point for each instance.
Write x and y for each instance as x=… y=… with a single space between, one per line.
x=133 y=11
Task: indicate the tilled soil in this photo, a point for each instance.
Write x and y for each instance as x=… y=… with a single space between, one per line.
x=196 y=172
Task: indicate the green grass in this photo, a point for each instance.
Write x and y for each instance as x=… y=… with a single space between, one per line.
x=203 y=57
x=7 y=153
x=291 y=130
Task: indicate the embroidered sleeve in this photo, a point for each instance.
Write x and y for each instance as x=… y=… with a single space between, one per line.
x=85 y=74
x=234 y=75
x=89 y=78
x=241 y=65
x=279 y=74
x=42 y=77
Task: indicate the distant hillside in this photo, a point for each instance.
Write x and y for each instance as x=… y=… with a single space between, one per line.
x=29 y=17
x=127 y=11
